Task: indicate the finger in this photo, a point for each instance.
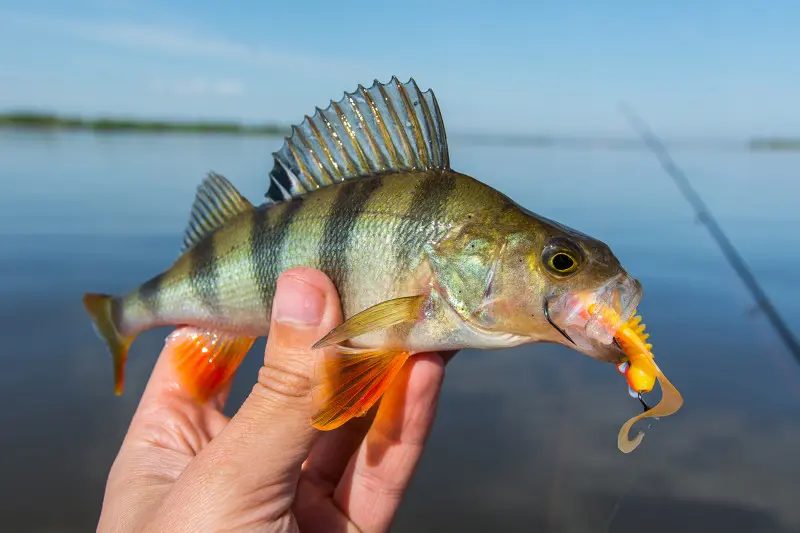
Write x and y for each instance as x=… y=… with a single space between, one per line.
x=378 y=475
x=168 y=429
x=165 y=404
x=333 y=450
x=255 y=461
x=321 y=472
x=275 y=419
x=165 y=383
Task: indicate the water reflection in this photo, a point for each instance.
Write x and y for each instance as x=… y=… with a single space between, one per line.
x=525 y=438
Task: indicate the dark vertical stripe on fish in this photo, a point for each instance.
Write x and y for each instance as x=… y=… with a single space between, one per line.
x=350 y=202
x=266 y=241
x=428 y=203
x=149 y=292
x=203 y=274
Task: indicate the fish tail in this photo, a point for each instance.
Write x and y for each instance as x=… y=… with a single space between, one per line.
x=101 y=308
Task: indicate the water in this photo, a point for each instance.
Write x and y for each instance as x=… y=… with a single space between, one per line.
x=525 y=438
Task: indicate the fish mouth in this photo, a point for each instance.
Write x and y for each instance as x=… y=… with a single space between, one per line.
x=569 y=315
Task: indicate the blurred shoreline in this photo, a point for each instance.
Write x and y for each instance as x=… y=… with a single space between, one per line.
x=51 y=122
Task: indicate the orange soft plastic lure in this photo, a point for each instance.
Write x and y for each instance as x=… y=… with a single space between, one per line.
x=641 y=372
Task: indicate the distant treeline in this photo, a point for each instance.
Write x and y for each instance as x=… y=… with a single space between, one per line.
x=774 y=144
x=46 y=121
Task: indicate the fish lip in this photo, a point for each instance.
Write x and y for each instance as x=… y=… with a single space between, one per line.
x=633 y=285
x=628 y=285
x=620 y=291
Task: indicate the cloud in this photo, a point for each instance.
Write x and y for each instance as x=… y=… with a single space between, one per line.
x=175 y=41
x=198 y=87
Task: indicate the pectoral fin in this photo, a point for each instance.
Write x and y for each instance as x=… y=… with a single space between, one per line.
x=206 y=360
x=377 y=317
x=349 y=383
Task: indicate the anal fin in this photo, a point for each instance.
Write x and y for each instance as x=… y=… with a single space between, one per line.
x=205 y=360
x=349 y=383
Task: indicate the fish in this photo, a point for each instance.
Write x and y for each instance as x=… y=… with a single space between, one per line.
x=425 y=258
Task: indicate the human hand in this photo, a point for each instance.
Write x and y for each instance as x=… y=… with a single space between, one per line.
x=184 y=466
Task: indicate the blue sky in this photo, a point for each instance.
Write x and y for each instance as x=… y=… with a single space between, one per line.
x=702 y=68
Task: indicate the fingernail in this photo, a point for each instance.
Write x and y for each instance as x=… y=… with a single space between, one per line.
x=298 y=302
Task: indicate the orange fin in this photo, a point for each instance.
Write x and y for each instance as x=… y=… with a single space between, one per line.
x=379 y=316
x=205 y=360
x=350 y=382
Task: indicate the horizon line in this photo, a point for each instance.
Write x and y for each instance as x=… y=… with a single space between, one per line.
x=103 y=122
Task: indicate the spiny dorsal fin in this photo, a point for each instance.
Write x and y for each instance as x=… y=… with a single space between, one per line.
x=216 y=201
x=388 y=128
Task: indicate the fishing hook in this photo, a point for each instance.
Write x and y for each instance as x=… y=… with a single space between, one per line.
x=547 y=316
x=644 y=403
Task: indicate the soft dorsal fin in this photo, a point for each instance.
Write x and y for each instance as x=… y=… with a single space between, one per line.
x=388 y=128
x=215 y=202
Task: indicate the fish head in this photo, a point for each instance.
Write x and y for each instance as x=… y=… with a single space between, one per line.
x=535 y=282
x=580 y=273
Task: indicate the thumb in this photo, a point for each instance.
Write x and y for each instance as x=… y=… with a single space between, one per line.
x=254 y=463
x=273 y=427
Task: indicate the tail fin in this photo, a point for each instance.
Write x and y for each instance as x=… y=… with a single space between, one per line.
x=100 y=307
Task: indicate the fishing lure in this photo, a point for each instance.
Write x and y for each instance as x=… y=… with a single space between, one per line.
x=641 y=372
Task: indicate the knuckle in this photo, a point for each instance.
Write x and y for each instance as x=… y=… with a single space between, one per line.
x=284 y=380
x=223 y=468
x=176 y=428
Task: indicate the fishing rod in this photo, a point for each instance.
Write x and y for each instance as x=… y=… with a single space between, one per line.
x=704 y=215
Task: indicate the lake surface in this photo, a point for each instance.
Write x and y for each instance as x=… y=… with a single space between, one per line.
x=525 y=438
